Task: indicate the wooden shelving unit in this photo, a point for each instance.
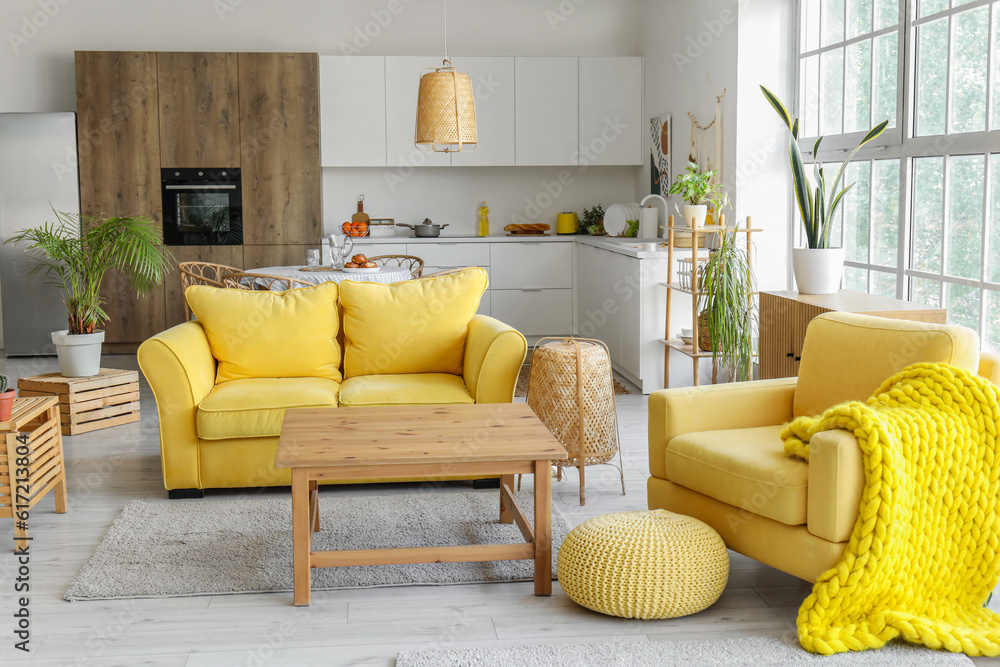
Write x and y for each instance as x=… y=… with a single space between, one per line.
x=699 y=242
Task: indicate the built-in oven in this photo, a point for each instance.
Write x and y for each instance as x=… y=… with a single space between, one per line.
x=202 y=206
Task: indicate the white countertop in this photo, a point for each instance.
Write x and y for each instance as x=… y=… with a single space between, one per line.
x=628 y=247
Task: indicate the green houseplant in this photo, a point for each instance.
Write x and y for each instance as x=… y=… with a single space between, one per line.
x=818 y=267
x=593 y=220
x=697 y=190
x=6 y=398
x=727 y=316
x=75 y=253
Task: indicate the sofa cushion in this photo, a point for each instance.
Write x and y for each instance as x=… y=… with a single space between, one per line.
x=255 y=408
x=746 y=468
x=407 y=389
x=846 y=356
x=258 y=334
x=416 y=326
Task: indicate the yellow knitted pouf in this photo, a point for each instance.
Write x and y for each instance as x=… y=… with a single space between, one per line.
x=654 y=564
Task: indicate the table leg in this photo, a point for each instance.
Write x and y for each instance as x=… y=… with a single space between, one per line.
x=506 y=482
x=543 y=528
x=314 y=505
x=301 y=535
x=62 y=502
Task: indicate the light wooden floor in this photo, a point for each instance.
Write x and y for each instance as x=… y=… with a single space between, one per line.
x=107 y=469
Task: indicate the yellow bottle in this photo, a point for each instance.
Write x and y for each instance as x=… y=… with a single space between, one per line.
x=484 y=221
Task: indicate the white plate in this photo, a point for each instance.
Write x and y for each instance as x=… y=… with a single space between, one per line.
x=348 y=269
x=686 y=339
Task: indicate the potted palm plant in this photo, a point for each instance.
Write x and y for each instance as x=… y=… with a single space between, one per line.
x=75 y=253
x=818 y=268
x=697 y=190
x=6 y=398
x=727 y=316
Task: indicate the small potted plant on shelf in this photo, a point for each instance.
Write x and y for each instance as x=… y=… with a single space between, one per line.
x=6 y=398
x=818 y=268
x=727 y=318
x=76 y=252
x=593 y=220
x=697 y=189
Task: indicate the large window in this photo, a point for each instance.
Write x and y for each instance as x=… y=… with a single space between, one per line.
x=923 y=220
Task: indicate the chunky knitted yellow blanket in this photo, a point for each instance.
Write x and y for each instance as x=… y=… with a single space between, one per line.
x=925 y=552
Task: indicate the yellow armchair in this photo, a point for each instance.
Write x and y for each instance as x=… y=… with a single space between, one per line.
x=715 y=452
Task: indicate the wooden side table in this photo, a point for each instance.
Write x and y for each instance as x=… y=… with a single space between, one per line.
x=108 y=399
x=31 y=461
x=784 y=317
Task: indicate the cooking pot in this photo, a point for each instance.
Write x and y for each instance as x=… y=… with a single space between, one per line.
x=425 y=229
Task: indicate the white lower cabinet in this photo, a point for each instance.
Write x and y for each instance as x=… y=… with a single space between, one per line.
x=619 y=300
x=534 y=312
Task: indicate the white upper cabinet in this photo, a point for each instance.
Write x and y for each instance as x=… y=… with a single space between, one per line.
x=402 y=82
x=352 y=111
x=611 y=123
x=529 y=110
x=493 y=87
x=546 y=111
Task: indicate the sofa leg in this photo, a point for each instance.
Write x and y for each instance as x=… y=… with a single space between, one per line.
x=492 y=483
x=182 y=494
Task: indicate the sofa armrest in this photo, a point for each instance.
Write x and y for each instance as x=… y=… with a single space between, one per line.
x=494 y=353
x=718 y=407
x=989 y=367
x=180 y=369
x=836 y=480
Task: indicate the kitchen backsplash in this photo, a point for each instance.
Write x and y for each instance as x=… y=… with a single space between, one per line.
x=453 y=195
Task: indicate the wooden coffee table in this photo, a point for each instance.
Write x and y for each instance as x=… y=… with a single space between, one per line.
x=406 y=442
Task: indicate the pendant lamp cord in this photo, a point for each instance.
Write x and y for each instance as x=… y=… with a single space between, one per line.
x=446 y=31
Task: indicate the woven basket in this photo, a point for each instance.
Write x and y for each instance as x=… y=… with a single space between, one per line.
x=446 y=108
x=571 y=389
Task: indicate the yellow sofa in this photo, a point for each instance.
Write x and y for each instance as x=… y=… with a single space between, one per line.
x=222 y=383
x=715 y=452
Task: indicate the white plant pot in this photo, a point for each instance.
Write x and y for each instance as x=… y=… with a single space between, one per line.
x=79 y=354
x=818 y=270
x=695 y=216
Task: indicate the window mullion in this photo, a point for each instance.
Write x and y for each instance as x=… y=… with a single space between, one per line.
x=984 y=245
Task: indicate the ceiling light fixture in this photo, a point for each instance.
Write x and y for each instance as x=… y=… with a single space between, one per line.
x=446 y=107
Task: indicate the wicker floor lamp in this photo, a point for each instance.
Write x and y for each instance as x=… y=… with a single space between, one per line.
x=571 y=389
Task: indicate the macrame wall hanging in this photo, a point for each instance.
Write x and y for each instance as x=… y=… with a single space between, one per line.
x=706 y=142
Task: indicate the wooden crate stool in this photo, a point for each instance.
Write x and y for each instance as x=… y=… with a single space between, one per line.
x=31 y=436
x=571 y=389
x=107 y=399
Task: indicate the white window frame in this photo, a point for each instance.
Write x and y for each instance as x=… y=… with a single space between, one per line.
x=899 y=144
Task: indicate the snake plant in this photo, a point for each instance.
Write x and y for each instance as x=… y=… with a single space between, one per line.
x=817 y=204
x=4 y=383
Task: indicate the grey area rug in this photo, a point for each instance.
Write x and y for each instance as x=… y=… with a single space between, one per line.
x=218 y=547
x=741 y=652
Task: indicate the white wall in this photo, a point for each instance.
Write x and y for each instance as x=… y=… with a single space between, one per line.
x=452 y=195
x=36 y=64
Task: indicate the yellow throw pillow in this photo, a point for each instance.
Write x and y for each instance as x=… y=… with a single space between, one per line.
x=416 y=326
x=270 y=334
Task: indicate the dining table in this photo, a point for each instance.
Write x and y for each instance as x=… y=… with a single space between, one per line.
x=384 y=274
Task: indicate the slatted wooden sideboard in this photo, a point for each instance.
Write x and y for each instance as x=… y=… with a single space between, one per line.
x=784 y=317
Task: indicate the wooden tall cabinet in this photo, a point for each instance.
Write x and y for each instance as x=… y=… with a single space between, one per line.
x=138 y=112
x=199 y=109
x=784 y=317
x=279 y=129
x=119 y=155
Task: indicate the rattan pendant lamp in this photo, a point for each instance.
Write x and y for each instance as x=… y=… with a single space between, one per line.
x=446 y=107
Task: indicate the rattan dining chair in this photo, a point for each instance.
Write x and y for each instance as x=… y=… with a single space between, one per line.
x=202 y=273
x=262 y=282
x=411 y=262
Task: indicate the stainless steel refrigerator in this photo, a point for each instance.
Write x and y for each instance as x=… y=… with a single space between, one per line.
x=38 y=172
